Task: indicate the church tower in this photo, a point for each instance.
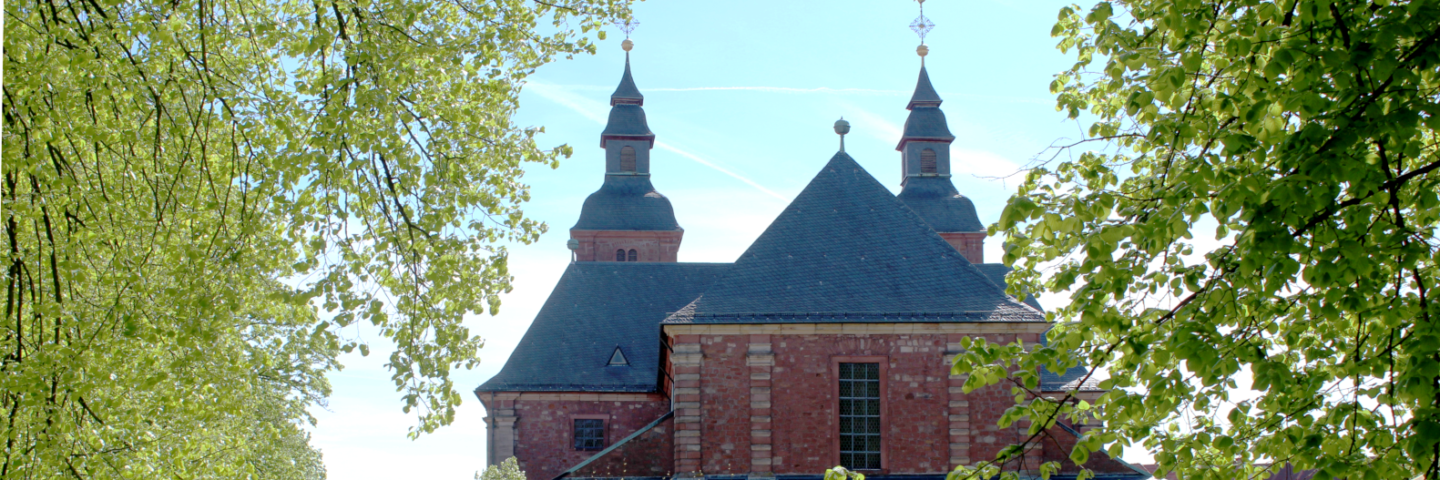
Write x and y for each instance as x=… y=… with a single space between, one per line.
x=925 y=169
x=626 y=220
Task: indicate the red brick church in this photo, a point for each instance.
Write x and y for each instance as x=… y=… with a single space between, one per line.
x=828 y=342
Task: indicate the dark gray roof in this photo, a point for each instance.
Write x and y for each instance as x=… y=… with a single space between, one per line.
x=926 y=122
x=924 y=92
x=846 y=250
x=996 y=273
x=626 y=92
x=937 y=201
x=626 y=121
x=627 y=202
x=595 y=307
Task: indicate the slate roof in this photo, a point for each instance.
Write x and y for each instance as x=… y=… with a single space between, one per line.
x=846 y=250
x=627 y=202
x=996 y=273
x=924 y=92
x=626 y=92
x=595 y=307
x=926 y=121
x=937 y=201
x=626 y=121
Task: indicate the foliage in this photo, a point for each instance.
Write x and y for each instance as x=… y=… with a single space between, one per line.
x=842 y=473
x=1303 y=133
x=506 y=470
x=203 y=198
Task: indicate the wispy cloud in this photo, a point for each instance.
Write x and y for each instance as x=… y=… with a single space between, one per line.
x=595 y=111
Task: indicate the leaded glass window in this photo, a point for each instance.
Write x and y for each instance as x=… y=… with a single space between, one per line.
x=620 y=255
x=589 y=434
x=632 y=255
x=860 y=415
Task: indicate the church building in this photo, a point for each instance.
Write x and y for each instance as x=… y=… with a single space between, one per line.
x=828 y=342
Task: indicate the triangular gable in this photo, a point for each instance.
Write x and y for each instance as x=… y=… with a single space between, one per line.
x=847 y=248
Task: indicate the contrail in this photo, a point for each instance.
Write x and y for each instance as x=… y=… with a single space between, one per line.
x=578 y=104
x=717 y=168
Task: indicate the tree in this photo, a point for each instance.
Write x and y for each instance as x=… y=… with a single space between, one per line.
x=201 y=199
x=1303 y=133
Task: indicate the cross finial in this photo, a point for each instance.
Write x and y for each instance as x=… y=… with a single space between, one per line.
x=627 y=26
x=922 y=26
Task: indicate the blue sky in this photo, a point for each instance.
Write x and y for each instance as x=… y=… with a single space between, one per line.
x=741 y=96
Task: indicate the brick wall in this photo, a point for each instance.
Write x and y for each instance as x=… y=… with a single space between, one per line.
x=650 y=246
x=649 y=455
x=544 y=429
x=769 y=402
x=725 y=401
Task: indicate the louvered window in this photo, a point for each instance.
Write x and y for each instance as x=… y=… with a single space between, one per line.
x=627 y=159
x=860 y=415
x=927 y=161
x=632 y=255
x=620 y=255
x=589 y=434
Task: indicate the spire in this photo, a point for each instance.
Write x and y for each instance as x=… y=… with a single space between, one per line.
x=924 y=95
x=626 y=220
x=925 y=164
x=627 y=93
x=926 y=122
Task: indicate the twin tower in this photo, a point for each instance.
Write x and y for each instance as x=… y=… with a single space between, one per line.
x=628 y=221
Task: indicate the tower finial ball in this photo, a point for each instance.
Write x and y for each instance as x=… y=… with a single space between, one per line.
x=627 y=45
x=841 y=126
x=922 y=50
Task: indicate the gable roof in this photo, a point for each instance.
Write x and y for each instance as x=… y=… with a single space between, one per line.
x=595 y=308
x=846 y=250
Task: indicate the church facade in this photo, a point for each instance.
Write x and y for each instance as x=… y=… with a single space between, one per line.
x=828 y=342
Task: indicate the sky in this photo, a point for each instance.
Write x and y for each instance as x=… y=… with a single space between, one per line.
x=741 y=96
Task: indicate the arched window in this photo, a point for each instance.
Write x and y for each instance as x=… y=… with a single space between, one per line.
x=927 y=161
x=620 y=255
x=632 y=255
x=627 y=159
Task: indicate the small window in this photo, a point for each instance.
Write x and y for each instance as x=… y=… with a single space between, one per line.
x=927 y=161
x=620 y=255
x=589 y=434
x=618 y=359
x=627 y=159
x=632 y=255
x=860 y=416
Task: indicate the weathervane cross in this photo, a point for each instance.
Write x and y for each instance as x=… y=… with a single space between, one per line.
x=627 y=26
x=922 y=25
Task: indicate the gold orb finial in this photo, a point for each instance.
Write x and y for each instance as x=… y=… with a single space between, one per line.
x=627 y=45
x=922 y=50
